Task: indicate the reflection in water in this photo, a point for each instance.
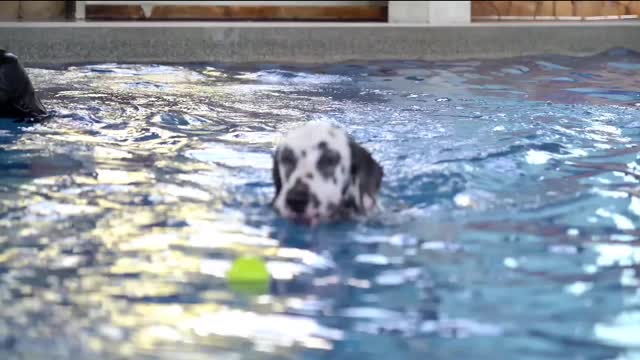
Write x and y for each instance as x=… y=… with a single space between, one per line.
x=511 y=210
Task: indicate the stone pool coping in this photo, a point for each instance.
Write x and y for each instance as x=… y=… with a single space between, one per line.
x=55 y=43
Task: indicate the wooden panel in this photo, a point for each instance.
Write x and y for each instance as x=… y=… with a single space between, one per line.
x=503 y=7
x=587 y=8
x=42 y=10
x=523 y=8
x=563 y=8
x=545 y=8
x=237 y=3
x=529 y=10
x=265 y=13
x=614 y=8
x=362 y=13
x=483 y=9
x=9 y=10
x=114 y=12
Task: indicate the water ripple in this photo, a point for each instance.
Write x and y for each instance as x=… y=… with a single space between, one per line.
x=511 y=209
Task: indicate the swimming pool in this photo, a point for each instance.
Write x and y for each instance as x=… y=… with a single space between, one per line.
x=509 y=230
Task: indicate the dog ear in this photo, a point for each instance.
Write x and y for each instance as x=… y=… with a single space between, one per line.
x=367 y=174
x=275 y=173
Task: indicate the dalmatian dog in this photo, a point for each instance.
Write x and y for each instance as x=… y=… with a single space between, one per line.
x=322 y=175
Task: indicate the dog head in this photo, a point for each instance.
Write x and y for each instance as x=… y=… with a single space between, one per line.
x=321 y=174
x=17 y=97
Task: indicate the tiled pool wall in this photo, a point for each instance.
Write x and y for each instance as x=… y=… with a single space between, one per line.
x=50 y=43
x=350 y=30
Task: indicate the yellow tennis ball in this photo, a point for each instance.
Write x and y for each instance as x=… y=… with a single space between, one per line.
x=249 y=275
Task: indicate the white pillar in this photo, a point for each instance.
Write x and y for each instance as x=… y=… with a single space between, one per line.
x=405 y=12
x=80 y=10
x=430 y=12
x=449 y=12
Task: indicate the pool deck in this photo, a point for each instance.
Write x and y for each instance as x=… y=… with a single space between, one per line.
x=39 y=43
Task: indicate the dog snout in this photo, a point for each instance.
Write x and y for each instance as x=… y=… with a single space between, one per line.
x=298 y=197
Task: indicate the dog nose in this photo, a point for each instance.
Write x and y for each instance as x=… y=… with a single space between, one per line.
x=297 y=199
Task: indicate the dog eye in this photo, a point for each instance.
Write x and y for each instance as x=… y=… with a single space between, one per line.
x=328 y=160
x=287 y=158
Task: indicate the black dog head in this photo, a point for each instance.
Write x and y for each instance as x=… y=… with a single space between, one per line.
x=17 y=96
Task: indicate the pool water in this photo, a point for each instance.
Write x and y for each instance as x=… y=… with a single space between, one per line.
x=508 y=228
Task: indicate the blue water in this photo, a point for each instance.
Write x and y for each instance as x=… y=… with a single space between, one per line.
x=509 y=229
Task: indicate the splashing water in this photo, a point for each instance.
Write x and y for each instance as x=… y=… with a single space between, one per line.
x=511 y=213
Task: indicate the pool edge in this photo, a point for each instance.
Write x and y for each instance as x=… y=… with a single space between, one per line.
x=174 y=42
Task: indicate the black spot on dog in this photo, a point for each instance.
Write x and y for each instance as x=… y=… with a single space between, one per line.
x=310 y=176
x=366 y=170
x=350 y=203
x=304 y=153
x=328 y=161
x=315 y=202
x=332 y=133
x=322 y=145
x=288 y=160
